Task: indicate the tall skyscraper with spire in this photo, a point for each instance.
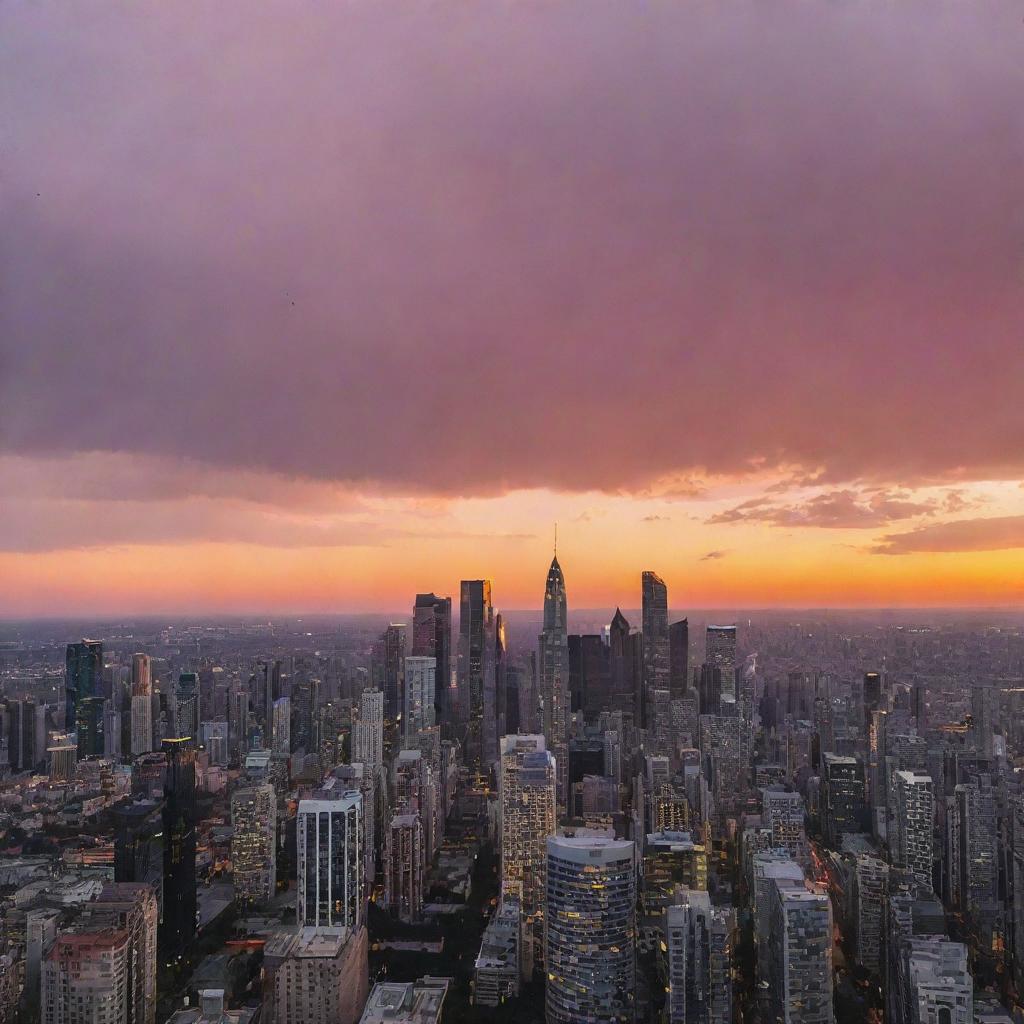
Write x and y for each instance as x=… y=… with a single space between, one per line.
x=553 y=655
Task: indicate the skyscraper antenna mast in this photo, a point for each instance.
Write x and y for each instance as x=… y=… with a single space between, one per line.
x=556 y=540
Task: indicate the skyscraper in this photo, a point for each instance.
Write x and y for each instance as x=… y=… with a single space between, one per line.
x=86 y=976
x=142 y=675
x=368 y=731
x=254 y=842
x=420 y=684
x=331 y=866
x=912 y=846
x=526 y=793
x=142 y=724
x=386 y=664
x=186 y=703
x=432 y=638
x=679 y=657
x=654 y=597
x=281 y=726
x=179 y=821
x=83 y=672
x=699 y=939
x=476 y=620
x=590 y=930
x=403 y=867
x=720 y=651
x=801 y=956
x=553 y=657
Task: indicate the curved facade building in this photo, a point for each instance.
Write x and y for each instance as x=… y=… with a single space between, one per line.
x=590 y=930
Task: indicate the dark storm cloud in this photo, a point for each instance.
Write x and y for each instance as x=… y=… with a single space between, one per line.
x=457 y=248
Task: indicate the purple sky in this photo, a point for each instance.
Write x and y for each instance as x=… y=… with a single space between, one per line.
x=461 y=248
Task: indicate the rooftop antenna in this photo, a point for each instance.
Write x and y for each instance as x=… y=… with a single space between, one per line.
x=556 y=540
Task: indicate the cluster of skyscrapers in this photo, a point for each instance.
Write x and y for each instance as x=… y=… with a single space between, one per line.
x=686 y=825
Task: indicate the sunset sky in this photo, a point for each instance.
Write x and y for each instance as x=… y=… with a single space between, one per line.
x=309 y=307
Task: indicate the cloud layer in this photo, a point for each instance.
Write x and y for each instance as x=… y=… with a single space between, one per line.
x=458 y=249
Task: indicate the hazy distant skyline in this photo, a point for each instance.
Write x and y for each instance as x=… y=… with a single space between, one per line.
x=312 y=310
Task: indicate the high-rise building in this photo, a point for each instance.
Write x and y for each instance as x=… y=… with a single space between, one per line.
x=85 y=977
x=26 y=748
x=186 y=707
x=91 y=739
x=526 y=795
x=368 y=731
x=871 y=881
x=844 y=808
x=331 y=866
x=720 y=651
x=386 y=665
x=142 y=724
x=912 y=844
x=133 y=908
x=679 y=658
x=671 y=861
x=553 y=658
x=972 y=859
x=281 y=726
x=63 y=759
x=476 y=667
x=142 y=676
x=315 y=976
x=590 y=930
x=403 y=867
x=83 y=674
x=656 y=649
x=254 y=842
x=432 y=638
x=498 y=965
x=801 y=956
x=139 y=844
x=700 y=946
x=179 y=827
x=420 y=683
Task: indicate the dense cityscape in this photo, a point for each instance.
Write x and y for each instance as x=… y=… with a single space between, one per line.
x=465 y=815
x=511 y=512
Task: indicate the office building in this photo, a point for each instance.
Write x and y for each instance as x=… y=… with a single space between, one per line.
x=254 y=843
x=186 y=707
x=386 y=667
x=590 y=930
x=432 y=638
x=912 y=844
x=871 y=885
x=281 y=726
x=403 y=867
x=331 y=866
x=654 y=613
x=475 y=664
x=83 y=675
x=699 y=938
x=368 y=730
x=420 y=695
x=844 y=809
x=526 y=800
x=801 y=956
x=720 y=652
x=679 y=658
x=179 y=827
x=142 y=724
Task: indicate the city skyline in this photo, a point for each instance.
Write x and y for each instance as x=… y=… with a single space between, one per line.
x=762 y=337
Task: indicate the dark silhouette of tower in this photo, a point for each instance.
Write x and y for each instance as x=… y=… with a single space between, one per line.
x=179 y=821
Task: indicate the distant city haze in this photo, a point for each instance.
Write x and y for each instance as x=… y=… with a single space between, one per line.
x=310 y=310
